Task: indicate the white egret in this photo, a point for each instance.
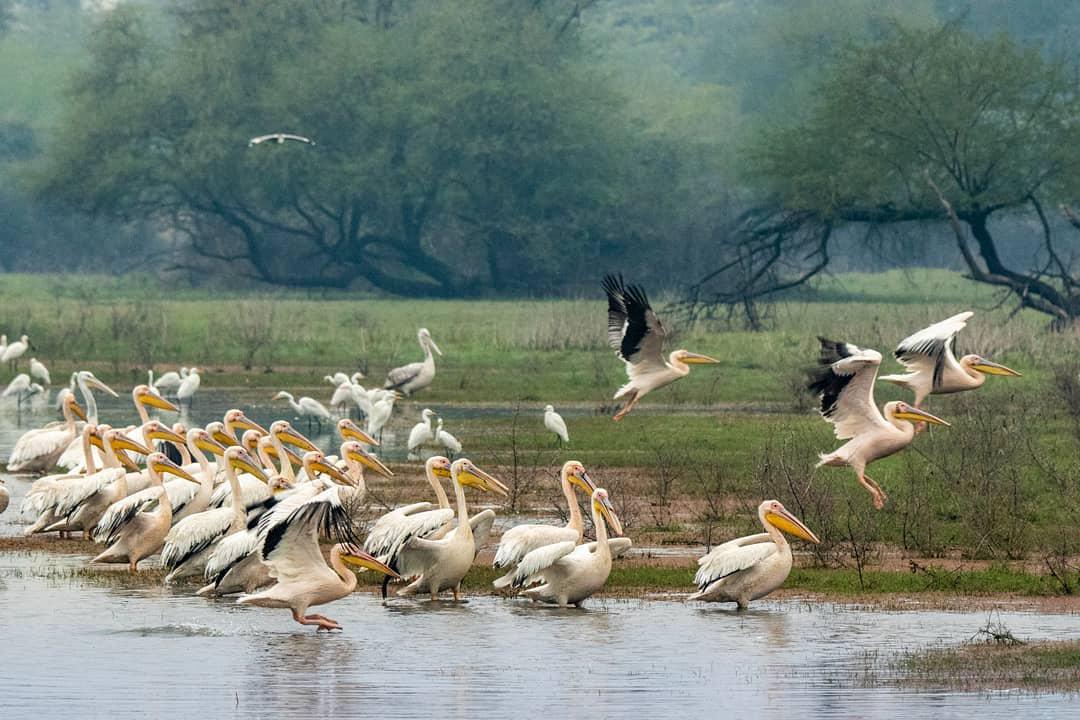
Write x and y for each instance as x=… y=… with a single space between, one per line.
x=21 y=389
x=381 y=410
x=422 y=433
x=554 y=422
x=306 y=407
x=15 y=350
x=39 y=371
x=170 y=381
x=418 y=375
x=447 y=440
x=189 y=386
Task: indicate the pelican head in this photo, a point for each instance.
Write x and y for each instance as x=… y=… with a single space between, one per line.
x=73 y=406
x=197 y=437
x=425 y=340
x=155 y=430
x=351 y=431
x=315 y=462
x=574 y=471
x=602 y=504
x=236 y=418
x=161 y=465
x=466 y=473
x=688 y=358
x=145 y=395
x=438 y=466
x=280 y=484
x=775 y=514
x=250 y=440
x=219 y=433
x=283 y=431
x=238 y=459
x=980 y=364
x=91 y=381
x=902 y=411
x=352 y=555
x=355 y=452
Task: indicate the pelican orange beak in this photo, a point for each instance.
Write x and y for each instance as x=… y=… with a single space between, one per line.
x=162 y=465
x=441 y=472
x=93 y=382
x=246 y=423
x=914 y=414
x=604 y=507
x=695 y=359
x=224 y=438
x=788 y=523
x=992 y=368
x=76 y=409
x=583 y=481
x=327 y=469
x=210 y=445
x=290 y=436
x=352 y=555
x=152 y=399
x=164 y=434
x=294 y=459
x=473 y=476
x=351 y=431
x=242 y=461
x=122 y=442
x=369 y=461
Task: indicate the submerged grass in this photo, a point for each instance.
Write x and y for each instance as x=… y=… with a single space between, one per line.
x=1051 y=666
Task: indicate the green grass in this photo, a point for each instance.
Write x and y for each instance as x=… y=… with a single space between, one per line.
x=1034 y=666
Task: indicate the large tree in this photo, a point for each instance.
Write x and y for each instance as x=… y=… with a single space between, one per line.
x=924 y=125
x=456 y=142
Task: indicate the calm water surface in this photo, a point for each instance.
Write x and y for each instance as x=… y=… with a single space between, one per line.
x=76 y=646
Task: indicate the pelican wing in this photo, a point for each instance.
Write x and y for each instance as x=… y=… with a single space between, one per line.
x=120 y=513
x=194 y=534
x=517 y=542
x=733 y=556
x=929 y=350
x=400 y=376
x=618 y=546
x=289 y=534
x=481 y=524
x=35 y=444
x=845 y=383
x=73 y=493
x=634 y=330
x=396 y=529
x=253 y=491
x=230 y=551
x=539 y=560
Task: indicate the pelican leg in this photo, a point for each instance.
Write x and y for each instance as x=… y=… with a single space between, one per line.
x=434 y=595
x=627 y=408
x=457 y=593
x=874 y=489
x=133 y=565
x=385 y=584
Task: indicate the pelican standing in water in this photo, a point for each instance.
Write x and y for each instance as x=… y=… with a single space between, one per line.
x=38 y=450
x=932 y=365
x=845 y=383
x=637 y=335
x=751 y=567
x=554 y=422
x=570 y=572
x=407 y=379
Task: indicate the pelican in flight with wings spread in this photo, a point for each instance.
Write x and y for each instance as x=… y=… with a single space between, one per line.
x=932 y=365
x=845 y=383
x=637 y=335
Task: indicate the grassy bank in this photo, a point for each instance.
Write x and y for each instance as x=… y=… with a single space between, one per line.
x=1052 y=666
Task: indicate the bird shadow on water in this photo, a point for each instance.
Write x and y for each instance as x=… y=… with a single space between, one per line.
x=406 y=607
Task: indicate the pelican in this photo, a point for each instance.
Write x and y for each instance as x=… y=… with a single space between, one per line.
x=553 y=421
x=41 y=499
x=22 y=389
x=520 y=540
x=637 y=335
x=39 y=371
x=140 y=533
x=306 y=407
x=751 y=567
x=447 y=440
x=14 y=351
x=38 y=450
x=86 y=383
x=5 y=497
x=845 y=383
x=169 y=381
x=190 y=541
x=423 y=432
x=289 y=545
x=279 y=139
x=441 y=564
x=189 y=386
x=418 y=375
x=932 y=366
x=570 y=572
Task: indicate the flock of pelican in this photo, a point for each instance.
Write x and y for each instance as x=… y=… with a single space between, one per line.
x=245 y=507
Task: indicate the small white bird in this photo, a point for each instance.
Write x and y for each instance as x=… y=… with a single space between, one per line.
x=189 y=386
x=15 y=350
x=21 y=389
x=380 y=415
x=170 y=381
x=279 y=139
x=422 y=433
x=64 y=392
x=39 y=371
x=447 y=440
x=306 y=407
x=553 y=421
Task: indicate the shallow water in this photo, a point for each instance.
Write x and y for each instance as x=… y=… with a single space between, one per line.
x=78 y=646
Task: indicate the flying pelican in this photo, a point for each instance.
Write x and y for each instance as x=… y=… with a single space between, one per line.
x=845 y=383
x=189 y=386
x=751 y=567
x=279 y=139
x=520 y=540
x=423 y=432
x=418 y=375
x=22 y=389
x=447 y=440
x=306 y=407
x=38 y=450
x=932 y=366
x=169 y=381
x=570 y=572
x=637 y=335
x=441 y=564
x=15 y=350
x=553 y=421
x=140 y=533
x=289 y=545
x=39 y=371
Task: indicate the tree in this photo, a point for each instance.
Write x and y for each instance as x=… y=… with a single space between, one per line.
x=926 y=125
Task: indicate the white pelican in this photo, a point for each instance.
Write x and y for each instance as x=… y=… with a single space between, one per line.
x=554 y=422
x=58 y=403
x=279 y=138
x=86 y=382
x=423 y=433
x=141 y=532
x=289 y=545
x=39 y=371
x=307 y=408
x=407 y=379
x=5 y=497
x=189 y=386
x=751 y=567
x=447 y=440
x=637 y=335
x=14 y=351
x=40 y=500
x=570 y=572
x=22 y=389
x=189 y=543
x=845 y=383
x=38 y=450
x=437 y=565
x=393 y=530
x=170 y=381
x=932 y=365
x=520 y=540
